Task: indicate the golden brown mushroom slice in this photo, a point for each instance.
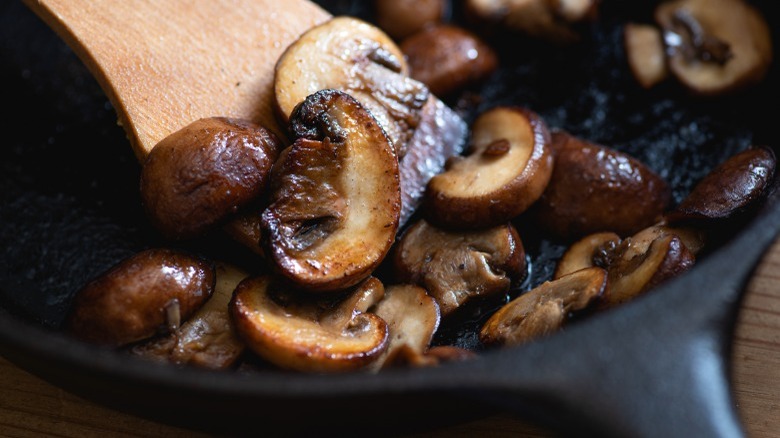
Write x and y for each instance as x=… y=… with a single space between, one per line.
x=334 y=196
x=543 y=310
x=731 y=188
x=207 y=339
x=646 y=53
x=586 y=252
x=412 y=318
x=459 y=267
x=507 y=170
x=715 y=46
x=635 y=271
x=594 y=189
x=353 y=56
x=143 y=295
x=296 y=332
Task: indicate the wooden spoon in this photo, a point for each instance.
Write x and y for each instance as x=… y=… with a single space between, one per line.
x=164 y=64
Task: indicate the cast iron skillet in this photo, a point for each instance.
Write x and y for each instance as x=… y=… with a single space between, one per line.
x=654 y=367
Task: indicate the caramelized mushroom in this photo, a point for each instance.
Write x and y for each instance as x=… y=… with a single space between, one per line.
x=295 y=332
x=334 y=197
x=544 y=310
x=506 y=171
x=595 y=189
x=731 y=188
x=547 y=19
x=715 y=46
x=200 y=175
x=149 y=293
x=636 y=270
x=207 y=339
x=448 y=58
x=646 y=53
x=412 y=318
x=355 y=57
x=587 y=252
x=401 y=18
x=458 y=267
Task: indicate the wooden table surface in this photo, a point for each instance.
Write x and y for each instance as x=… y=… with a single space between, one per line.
x=30 y=407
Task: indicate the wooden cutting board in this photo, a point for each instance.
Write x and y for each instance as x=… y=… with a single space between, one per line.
x=30 y=407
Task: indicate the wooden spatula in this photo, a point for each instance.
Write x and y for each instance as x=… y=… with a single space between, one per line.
x=164 y=64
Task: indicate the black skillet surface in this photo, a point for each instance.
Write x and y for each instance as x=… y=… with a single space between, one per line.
x=69 y=209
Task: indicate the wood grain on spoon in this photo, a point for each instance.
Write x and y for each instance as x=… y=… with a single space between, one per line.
x=164 y=64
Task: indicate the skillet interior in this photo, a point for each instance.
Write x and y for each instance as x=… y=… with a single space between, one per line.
x=68 y=181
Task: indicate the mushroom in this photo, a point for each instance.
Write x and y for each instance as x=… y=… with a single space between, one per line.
x=641 y=264
x=507 y=169
x=207 y=339
x=148 y=293
x=296 y=332
x=547 y=19
x=587 y=252
x=459 y=267
x=204 y=173
x=730 y=189
x=544 y=310
x=594 y=189
x=334 y=196
x=715 y=46
x=692 y=238
x=412 y=318
x=353 y=56
x=646 y=53
x=401 y=18
x=448 y=58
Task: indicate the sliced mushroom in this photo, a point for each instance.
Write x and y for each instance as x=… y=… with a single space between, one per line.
x=587 y=252
x=295 y=332
x=595 y=189
x=401 y=18
x=547 y=19
x=731 y=188
x=458 y=267
x=633 y=273
x=412 y=318
x=506 y=171
x=715 y=46
x=692 y=238
x=440 y=135
x=646 y=54
x=335 y=199
x=448 y=58
x=204 y=173
x=149 y=293
x=350 y=55
x=543 y=310
x=207 y=339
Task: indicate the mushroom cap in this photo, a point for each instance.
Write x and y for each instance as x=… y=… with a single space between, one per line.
x=581 y=254
x=594 y=188
x=489 y=186
x=734 y=22
x=353 y=56
x=297 y=333
x=456 y=267
x=335 y=197
x=204 y=173
x=128 y=302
